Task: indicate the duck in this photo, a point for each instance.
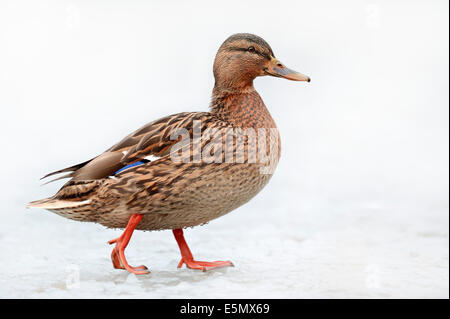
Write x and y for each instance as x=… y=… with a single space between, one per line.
x=185 y=169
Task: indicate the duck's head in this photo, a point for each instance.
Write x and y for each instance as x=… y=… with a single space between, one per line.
x=242 y=58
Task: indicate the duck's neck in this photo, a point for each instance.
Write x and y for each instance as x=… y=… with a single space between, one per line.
x=242 y=108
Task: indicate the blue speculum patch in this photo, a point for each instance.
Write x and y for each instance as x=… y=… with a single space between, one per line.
x=131 y=165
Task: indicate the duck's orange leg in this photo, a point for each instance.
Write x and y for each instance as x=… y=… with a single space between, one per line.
x=118 y=254
x=188 y=259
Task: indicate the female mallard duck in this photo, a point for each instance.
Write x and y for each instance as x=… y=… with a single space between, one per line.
x=184 y=169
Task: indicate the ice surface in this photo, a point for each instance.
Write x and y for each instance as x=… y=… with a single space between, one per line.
x=326 y=251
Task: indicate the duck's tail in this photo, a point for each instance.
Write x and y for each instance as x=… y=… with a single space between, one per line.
x=72 y=195
x=53 y=203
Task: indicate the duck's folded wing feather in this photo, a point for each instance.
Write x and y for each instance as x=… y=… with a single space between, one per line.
x=153 y=139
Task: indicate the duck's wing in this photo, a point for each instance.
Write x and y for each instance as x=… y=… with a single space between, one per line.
x=153 y=139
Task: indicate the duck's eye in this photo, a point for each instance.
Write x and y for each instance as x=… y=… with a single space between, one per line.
x=251 y=49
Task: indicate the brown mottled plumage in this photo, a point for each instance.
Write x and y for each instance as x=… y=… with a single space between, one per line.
x=171 y=194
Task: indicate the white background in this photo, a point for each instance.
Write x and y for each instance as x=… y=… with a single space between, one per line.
x=358 y=206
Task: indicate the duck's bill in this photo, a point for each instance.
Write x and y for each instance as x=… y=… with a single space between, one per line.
x=276 y=68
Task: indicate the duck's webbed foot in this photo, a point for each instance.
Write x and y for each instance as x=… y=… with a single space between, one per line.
x=116 y=260
x=118 y=254
x=188 y=259
x=204 y=265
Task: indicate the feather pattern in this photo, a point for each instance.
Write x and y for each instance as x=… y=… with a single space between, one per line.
x=173 y=194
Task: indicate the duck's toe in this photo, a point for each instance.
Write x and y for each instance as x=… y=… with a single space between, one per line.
x=204 y=265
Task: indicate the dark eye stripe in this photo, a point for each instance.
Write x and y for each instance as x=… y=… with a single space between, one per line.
x=264 y=55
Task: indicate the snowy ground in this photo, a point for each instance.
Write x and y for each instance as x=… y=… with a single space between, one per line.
x=323 y=251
